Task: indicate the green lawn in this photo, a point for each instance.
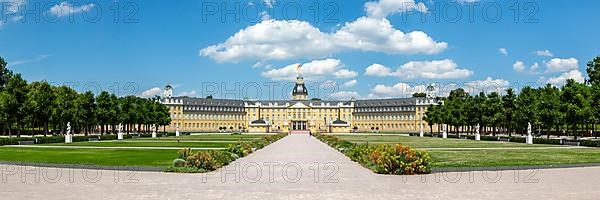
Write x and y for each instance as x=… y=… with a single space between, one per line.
x=429 y=142
x=509 y=158
x=485 y=158
x=210 y=137
x=119 y=157
x=100 y=157
x=133 y=143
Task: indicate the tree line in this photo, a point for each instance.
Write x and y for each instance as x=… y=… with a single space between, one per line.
x=39 y=107
x=572 y=109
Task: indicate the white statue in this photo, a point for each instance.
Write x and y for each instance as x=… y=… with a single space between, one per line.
x=529 y=139
x=177 y=131
x=68 y=136
x=477 y=135
x=421 y=133
x=153 y=131
x=445 y=133
x=68 y=128
x=120 y=133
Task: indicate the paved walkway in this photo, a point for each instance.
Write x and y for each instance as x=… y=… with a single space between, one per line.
x=335 y=178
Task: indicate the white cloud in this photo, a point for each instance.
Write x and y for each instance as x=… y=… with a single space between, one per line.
x=467 y=1
x=344 y=95
x=329 y=84
x=561 y=65
x=286 y=39
x=378 y=70
x=350 y=83
x=269 y=3
x=36 y=59
x=11 y=7
x=435 y=69
x=545 y=53
x=65 y=8
x=384 y=8
x=378 y=35
x=314 y=70
x=487 y=85
x=503 y=51
x=519 y=66
x=562 y=79
x=151 y=92
x=188 y=94
x=345 y=73
x=397 y=90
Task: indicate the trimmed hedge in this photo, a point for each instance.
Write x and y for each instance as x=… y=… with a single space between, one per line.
x=383 y=158
x=61 y=139
x=588 y=143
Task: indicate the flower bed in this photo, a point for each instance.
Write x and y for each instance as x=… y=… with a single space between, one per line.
x=206 y=161
x=383 y=158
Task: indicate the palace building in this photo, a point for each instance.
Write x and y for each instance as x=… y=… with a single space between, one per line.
x=298 y=114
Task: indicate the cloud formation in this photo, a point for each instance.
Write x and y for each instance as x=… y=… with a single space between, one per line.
x=434 y=69
x=314 y=70
x=65 y=8
x=287 y=39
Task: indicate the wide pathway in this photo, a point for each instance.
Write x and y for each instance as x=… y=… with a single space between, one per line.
x=297 y=167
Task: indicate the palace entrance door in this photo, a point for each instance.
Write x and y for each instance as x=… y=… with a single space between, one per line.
x=299 y=125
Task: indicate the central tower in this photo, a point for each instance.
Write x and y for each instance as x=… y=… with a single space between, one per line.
x=300 y=92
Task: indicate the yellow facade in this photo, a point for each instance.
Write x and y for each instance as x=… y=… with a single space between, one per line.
x=218 y=115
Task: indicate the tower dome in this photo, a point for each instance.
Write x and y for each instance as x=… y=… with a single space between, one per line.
x=299 y=92
x=168 y=92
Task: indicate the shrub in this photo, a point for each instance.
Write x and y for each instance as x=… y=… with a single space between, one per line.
x=590 y=143
x=204 y=161
x=241 y=148
x=179 y=162
x=384 y=158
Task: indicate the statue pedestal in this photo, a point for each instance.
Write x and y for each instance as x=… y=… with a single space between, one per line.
x=177 y=133
x=445 y=134
x=421 y=134
x=119 y=136
x=153 y=134
x=529 y=139
x=477 y=136
x=68 y=138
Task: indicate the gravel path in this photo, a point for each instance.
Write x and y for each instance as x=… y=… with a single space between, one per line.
x=297 y=167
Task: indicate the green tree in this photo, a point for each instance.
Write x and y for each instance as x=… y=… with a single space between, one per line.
x=105 y=110
x=5 y=74
x=527 y=104
x=574 y=104
x=39 y=102
x=4 y=118
x=549 y=107
x=17 y=97
x=510 y=107
x=85 y=115
x=64 y=107
x=593 y=71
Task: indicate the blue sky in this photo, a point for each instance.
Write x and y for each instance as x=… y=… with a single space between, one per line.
x=362 y=49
